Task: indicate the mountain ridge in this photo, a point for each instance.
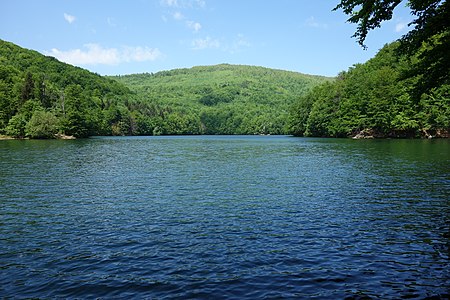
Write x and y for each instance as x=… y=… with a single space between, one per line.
x=43 y=97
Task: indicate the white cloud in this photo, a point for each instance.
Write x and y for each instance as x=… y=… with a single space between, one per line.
x=195 y=26
x=399 y=27
x=206 y=43
x=177 y=10
x=239 y=43
x=178 y=16
x=111 y=22
x=139 y=54
x=170 y=3
x=94 y=54
x=183 y=3
x=69 y=18
x=312 y=22
x=200 y=3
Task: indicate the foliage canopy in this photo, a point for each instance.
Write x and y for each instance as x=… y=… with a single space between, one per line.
x=222 y=99
x=402 y=92
x=428 y=40
x=373 y=99
x=41 y=97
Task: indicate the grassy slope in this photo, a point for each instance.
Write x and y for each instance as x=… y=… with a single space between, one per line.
x=228 y=84
x=225 y=99
x=58 y=73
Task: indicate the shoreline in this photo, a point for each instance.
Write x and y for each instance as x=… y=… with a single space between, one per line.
x=58 y=136
x=354 y=137
x=6 y=137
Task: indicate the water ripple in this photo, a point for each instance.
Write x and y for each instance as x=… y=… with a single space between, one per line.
x=224 y=218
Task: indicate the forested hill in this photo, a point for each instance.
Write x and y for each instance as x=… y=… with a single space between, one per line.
x=41 y=97
x=222 y=99
x=376 y=99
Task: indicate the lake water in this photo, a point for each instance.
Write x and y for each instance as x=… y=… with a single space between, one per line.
x=225 y=217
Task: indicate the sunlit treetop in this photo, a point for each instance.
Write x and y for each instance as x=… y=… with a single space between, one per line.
x=429 y=37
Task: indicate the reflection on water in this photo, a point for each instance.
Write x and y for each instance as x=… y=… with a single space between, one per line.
x=224 y=217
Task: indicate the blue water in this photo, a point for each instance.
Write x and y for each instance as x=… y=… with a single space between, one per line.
x=225 y=217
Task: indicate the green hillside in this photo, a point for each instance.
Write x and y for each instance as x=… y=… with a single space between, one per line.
x=376 y=99
x=41 y=97
x=222 y=99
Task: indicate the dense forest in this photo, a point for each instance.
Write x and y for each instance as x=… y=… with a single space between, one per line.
x=379 y=98
x=41 y=97
x=221 y=99
x=404 y=91
x=387 y=96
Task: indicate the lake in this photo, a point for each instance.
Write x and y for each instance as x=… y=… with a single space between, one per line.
x=224 y=217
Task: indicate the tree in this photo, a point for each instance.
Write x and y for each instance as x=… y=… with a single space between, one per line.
x=325 y=111
x=16 y=126
x=8 y=96
x=75 y=115
x=430 y=37
x=28 y=88
x=43 y=124
x=300 y=111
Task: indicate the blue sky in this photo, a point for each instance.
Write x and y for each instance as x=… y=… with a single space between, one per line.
x=113 y=37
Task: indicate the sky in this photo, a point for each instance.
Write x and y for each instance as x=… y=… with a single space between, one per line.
x=117 y=37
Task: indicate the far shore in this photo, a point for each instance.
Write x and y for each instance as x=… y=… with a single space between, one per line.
x=57 y=137
x=6 y=137
x=439 y=134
